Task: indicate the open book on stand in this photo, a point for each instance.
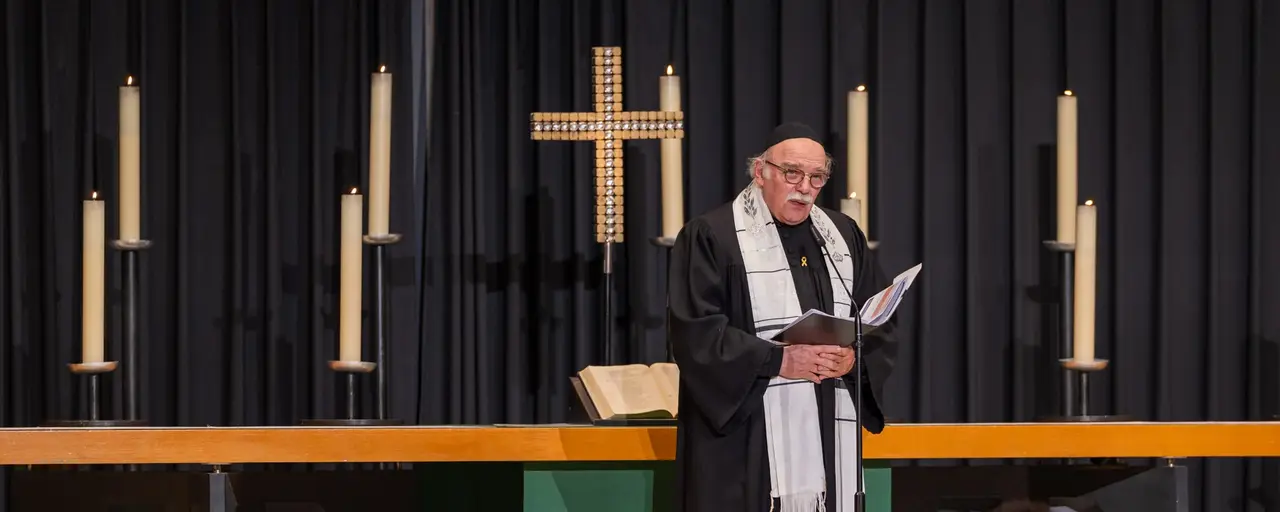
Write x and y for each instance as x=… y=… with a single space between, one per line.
x=629 y=394
x=818 y=328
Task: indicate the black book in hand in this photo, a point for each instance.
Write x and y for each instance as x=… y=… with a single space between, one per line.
x=815 y=327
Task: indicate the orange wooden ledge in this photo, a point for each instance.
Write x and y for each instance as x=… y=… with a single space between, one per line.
x=228 y=445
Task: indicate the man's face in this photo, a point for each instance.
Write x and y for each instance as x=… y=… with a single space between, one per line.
x=792 y=160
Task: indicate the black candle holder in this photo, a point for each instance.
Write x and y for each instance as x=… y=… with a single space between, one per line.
x=666 y=242
x=381 y=319
x=352 y=419
x=93 y=371
x=129 y=255
x=379 y=366
x=1075 y=375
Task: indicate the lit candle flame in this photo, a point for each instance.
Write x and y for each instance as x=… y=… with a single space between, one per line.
x=670 y=70
x=353 y=190
x=862 y=88
x=382 y=68
x=1067 y=92
x=1088 y=202
x=93 y=195
x=128 y=80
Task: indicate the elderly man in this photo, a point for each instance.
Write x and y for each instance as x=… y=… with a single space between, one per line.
x=758 y=427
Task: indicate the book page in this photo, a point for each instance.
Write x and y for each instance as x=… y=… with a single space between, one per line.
x=877 y=310
x=625 y=390
x=668 y=377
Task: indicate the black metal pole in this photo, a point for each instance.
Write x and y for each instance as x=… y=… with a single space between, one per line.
x=606 y=321
x=1065 y=348
x=94 y=397
x=130 y=356
x=351 y=396
x=380 y=328
x=860 y=493
x=1084 y=393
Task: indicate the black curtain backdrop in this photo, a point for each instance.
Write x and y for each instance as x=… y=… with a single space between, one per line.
x=255 y=117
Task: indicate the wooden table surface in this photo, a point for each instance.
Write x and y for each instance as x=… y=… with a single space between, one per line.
x=227 y=445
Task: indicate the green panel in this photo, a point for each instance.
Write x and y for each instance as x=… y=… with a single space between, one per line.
x=613 y=486
x=639 y=487
x=879 y=489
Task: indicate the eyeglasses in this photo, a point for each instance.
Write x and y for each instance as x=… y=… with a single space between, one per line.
x=793 y=176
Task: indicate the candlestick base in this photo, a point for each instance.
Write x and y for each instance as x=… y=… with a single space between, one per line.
x=664 y=241
x=353 y=422
x=1091 y=365
x=93 y=372
x=1082 y=369
x=352 y=366
x=1057 y=246
x=131 y=245
x=92 y=423
x=93 y=368
x=383 y=239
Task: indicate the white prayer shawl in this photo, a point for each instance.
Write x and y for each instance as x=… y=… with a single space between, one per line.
x=796 y=467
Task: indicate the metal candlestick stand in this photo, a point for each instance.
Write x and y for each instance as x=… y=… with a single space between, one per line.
x=381 y=354
x=1075 y=376
x=667 y=242
x=95 y=370
x=382 y=317
x=129 y=250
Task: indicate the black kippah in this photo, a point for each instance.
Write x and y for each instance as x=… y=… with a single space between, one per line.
x=792 y=131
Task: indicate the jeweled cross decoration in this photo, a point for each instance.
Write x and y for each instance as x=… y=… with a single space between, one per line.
x=608 y=126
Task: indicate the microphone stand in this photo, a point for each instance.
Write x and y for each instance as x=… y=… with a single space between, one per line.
x=859 y=494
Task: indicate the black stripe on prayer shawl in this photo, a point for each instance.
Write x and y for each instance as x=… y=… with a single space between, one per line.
x=770 y=327
x=767 y=271
x=850 y=420
x=783 y=318
x=792 y=383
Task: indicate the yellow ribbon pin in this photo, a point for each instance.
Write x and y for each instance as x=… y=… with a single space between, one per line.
x=804 y=262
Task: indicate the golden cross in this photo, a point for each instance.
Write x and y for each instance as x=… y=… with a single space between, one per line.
x=607 y=126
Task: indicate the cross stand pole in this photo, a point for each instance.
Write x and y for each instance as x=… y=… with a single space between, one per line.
x=607 y=127
x=606 y=320
x=381 y=319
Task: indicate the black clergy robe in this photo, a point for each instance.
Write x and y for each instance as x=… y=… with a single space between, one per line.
x=721 y=457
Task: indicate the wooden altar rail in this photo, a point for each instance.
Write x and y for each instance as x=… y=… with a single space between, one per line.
x=228 y=445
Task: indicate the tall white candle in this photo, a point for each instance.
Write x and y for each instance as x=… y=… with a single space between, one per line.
x=1067 y=158
x=380 y=152
x=350 y=274
x=1086 y=271
x=858 y=128
x=130 y=158
x=672 y=166
x=93 y=291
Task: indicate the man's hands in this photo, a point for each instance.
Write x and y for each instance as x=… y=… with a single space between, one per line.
x=815 y=362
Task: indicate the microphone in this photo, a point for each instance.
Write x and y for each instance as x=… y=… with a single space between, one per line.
x=859 y=495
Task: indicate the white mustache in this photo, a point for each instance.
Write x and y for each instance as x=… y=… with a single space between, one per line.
x=797 y=196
